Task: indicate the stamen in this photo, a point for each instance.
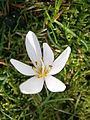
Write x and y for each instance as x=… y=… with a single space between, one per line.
x=43 y=59
x=37 y=63
x=43 y=66
x=34 y=68
x=49 y=68
x=42 y=70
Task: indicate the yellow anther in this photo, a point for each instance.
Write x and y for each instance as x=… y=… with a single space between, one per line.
x=37 y=63
x=42 y=70
x=34 y=68
x=49 y=68
x=43 y=59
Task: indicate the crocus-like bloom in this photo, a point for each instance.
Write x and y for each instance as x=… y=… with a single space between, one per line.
x=44 y=67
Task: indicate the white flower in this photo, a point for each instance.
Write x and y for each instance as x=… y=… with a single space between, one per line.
x=44 y=67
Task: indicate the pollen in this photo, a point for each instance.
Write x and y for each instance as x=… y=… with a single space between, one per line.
x=42 y=71
x=33 y=68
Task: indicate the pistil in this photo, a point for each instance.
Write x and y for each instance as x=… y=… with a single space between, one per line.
x=42 y=71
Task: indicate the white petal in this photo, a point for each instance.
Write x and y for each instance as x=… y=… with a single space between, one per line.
x=47 y=54
x=32 y=86
x=23 y=68
x=54 y=85
x=33 y=47
x=60 y=62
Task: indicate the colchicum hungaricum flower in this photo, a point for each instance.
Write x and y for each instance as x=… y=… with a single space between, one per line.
x=44 y=67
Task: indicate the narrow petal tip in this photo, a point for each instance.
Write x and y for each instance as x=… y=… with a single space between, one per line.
x=29 y=32
x=69 y=49
x=64 y=87
x=11 y=60
x=22 y=90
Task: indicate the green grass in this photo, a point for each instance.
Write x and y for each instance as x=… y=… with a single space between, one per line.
x=60 y=24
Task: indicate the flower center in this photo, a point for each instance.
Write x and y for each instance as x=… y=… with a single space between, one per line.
x=42 y=71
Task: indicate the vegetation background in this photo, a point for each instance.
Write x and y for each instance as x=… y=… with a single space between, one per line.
x=60 y=23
